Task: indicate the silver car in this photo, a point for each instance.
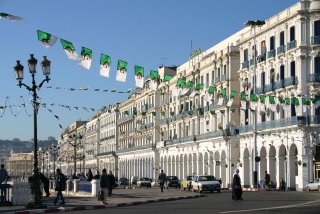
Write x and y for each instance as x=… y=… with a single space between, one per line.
x=314 y=185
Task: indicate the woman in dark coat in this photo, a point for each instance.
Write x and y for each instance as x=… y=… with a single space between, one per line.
x=236 y=186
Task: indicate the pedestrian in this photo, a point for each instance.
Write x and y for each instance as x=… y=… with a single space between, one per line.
x=97 y=176
x=266 y=180
x=90 y=175
x=3 y=180
x=45 y=182
x=110 y=182
x=282 y=185
x=236 y=186
x=162 y=179
x=104 y=185
x=60 y=186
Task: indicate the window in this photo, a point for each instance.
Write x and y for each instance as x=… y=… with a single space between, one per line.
x=245 y=55
x=281 y=38
x=282 y=72
x=293 y=69
x=263 y=79
x=263 y=47
x=207 y=80
x=317 y=28
x=317 y=65
x=254 y=52
x=292 y=33
x=271 y=47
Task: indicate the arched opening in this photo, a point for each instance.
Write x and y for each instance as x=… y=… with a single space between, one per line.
x=224 y=167
x=263 y=163
x=283 y=170
x=293 y=166
x=200 y=164
x=217 y=165
x=194 y=163
x=206 y=164
x=272 y=163
x=246 y=168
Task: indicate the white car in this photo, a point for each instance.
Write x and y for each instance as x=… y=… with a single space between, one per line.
x=144 y=182
x=202 y=183
x=314 y=185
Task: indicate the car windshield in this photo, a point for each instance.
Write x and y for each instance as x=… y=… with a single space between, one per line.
x=189 y=178
x=206 y=178
x=172 y=178
x=144 y=179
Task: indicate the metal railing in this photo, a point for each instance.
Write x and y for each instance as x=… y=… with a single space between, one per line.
x=290 y=81
x=271 y=53
x=245 y=65
x=291 y=45
x=281 y=49
x=315 y=40
x=315 y=77
x=125 y=119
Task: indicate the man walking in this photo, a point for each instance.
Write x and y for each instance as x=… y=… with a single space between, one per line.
x=266 y=180
x=110 y=182
x=162 y=179
x=60 y=186
x=104 y=185
x=45 y=182
x=3 y=180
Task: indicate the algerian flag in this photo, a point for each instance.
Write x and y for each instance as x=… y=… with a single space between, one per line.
x=105 y=62
x=244 y=104
x=139 y=75
x=230 y=102
x=10 y=17
x=232 y=97
x=220 y=101
x=47 y=39
x=167 y=77
x=184 y=91
x=253 y=105
x=69 y=49
x=176 y=91
x=86 y=58
x=193 y=94
x=208 y=97
x=287 y=105
x=262 y=107
x=122 y=71
x=154 y=76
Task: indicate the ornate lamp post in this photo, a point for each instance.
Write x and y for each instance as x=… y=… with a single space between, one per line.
x=54 y=150
x=75 y=141
x=18 y=69
x=255 y=158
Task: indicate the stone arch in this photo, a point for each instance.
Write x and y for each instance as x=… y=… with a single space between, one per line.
x=200 y=163
x=272 y=163
x=185 y=165
x=168 y=170
x=282 y=161
x=194 y=163
x=224 y=167
x=217 y=165
x=206 y=164
x=292 y=166
x=246 y=168
x=263 y=163
x=190 y=164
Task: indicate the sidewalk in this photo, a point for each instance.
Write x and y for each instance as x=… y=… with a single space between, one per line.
x=120 y=198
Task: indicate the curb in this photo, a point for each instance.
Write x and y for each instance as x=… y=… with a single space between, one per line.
x=94 y=207
x=250 y=189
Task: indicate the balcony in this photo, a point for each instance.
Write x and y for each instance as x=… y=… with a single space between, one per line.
x=245 y=65
x=269 y=87
x=281 y=49
x=252 y=61
x=273 y=124
x=217 y=133
x=223 y=77
x=315 y=77
x=290 y=81
x=279 y=84
x=125 y=119
x=291 y=45
x=261 y=58
x=271 y=54
x=315 y=40
x=260 y=90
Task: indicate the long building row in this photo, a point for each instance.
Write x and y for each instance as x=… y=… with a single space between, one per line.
x=250 y=102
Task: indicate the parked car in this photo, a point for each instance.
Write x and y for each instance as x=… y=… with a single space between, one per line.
x=123 y=182
x=187 y=183
x=133 y=180
x=173 y=181
x=144 y=182
x=272 y=185
x=314 y=185
x=202 y=183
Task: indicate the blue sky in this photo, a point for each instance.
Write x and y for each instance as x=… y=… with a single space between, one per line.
x=141 y=32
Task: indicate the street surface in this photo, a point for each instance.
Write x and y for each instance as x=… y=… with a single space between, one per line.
x=254 y=202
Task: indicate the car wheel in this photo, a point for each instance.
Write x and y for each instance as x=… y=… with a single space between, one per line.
x=199 y=190
x=308 y=189
x=218 y=190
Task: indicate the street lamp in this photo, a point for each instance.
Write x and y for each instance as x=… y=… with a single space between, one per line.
x=18 y=69
x=254 y=24
x=54 y=150
x=75 y=143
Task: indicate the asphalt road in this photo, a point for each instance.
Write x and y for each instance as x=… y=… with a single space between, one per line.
x=254 y=202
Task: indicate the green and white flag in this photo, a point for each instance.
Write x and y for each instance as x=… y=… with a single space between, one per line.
x=86 y=58
x=233 y=94
x=208 y=97
x=105 y=62
x=139 y=75
x=10 y=17
x=47 y=39
x=69 y=49
x=154 y=76
x=272 y=104
x=122 y=71
x=287 y=105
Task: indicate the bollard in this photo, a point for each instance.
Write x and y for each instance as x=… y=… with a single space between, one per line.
x=68 y=186
x=95 y=187
x=75 y=185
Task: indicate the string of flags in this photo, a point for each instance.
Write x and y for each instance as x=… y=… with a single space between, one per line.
x=88 y=89
x=10 y=17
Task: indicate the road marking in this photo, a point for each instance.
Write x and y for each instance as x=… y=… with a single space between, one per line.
x=271 y=208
